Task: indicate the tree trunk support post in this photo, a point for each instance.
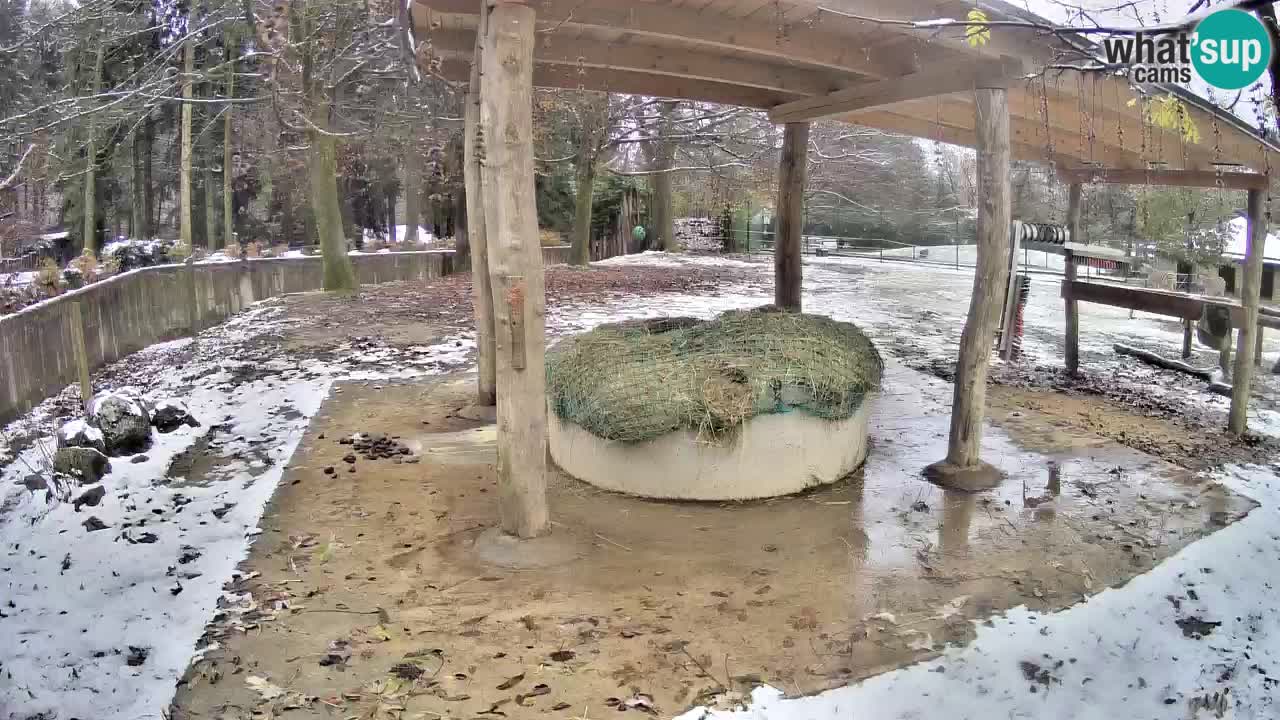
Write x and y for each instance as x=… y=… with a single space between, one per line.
x=1250 y=289
x=481 y=292
x=1072 y=332
x=786 y=247
x=962 y=468
x=515 y=266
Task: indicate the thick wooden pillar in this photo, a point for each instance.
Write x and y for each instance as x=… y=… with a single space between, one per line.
x=786 y=246
x=962 y=468
x=515 y=266
x=1072 y=330
x=473 y=153
x=1250 y=289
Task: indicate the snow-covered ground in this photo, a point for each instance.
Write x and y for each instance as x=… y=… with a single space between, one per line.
x=102 y=623
x=1080 y=663
x=16 y=279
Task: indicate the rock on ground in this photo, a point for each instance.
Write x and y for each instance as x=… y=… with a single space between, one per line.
x=124 y=421
x=169 y=415
x=78 y=433
x=86 y=465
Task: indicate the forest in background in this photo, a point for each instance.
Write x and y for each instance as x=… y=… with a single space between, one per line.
x=230 y=125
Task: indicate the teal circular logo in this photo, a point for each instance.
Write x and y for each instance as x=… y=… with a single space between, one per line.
x=1231 y=49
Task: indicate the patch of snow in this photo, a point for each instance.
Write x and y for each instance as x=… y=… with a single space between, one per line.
x=421 y=235
x=17 y=279
x=80 y=425
x=153 y=580
x=1119 y=654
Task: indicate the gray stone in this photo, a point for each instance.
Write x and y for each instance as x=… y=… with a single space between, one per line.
x=79 y=433
x=124 y=422
x=90 y=497
x=169 y=415
x=86 y=465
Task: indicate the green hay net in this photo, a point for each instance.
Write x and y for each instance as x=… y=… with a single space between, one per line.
x=636 y=381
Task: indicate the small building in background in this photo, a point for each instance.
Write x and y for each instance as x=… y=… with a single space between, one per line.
x=1231 y=265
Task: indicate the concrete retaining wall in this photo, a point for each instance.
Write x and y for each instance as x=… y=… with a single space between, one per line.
x=128 y=312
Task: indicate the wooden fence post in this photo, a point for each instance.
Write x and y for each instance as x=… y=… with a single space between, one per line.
x=515 y=267
x=962 y=468
x=474 y=155
x=1250 y=289
x=787 y=272
x=1072 y=330
x=82 y=354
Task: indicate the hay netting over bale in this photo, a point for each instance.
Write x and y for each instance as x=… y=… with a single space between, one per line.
x=636 y=381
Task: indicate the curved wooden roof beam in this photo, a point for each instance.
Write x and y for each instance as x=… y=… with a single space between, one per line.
x=555 y=49
x=800 y=46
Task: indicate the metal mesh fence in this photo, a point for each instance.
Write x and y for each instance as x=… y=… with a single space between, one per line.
x=636 y=381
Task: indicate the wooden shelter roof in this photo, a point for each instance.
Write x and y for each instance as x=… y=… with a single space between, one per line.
x=915 y=81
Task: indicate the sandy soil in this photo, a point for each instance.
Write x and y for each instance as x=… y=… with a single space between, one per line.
x=379 y=590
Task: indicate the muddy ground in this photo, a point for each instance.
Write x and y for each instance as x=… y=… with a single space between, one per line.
x=377 y=588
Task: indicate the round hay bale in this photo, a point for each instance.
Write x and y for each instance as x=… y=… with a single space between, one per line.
x=751 y=404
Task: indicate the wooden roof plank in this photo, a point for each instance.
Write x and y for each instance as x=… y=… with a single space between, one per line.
x=1173 y=178
x=555 y=49
x=800 y=46
x=923 y=84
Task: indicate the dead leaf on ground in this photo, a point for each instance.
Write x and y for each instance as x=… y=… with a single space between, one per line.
x=511 y=682
x=537 y=690
x=267 y=689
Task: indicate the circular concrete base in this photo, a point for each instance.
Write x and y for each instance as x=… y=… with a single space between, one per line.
x=495 y=547
x=770 y=455
x=982 y=476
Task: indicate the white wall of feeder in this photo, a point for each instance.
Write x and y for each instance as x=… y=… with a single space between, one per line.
x=767 y=456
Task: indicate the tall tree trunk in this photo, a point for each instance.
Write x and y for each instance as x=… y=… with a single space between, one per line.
x=322 y=167
x=412 y=196
x=462 y=243
x=228 y=205
x=148 y=192
x=90 y=209
x=389 y=214
x=210 y=197
x=137 y=217
x=664 y=225
x=580 y=254
x=185 y=228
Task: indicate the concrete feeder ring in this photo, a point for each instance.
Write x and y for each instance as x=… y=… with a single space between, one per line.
x=770 y=455
x=752 y=404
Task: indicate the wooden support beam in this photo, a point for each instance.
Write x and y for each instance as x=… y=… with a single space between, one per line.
x=1250 y=289
x=923 y=84
x=801 y=45
x=692 y=64
x=481 y=293
x=1072 y=329
x=792 y=170
x=515 y=267
x=635 y=83
x=1173 y=304
x=1172 y=178
x=922 y=126
x=963 y=467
